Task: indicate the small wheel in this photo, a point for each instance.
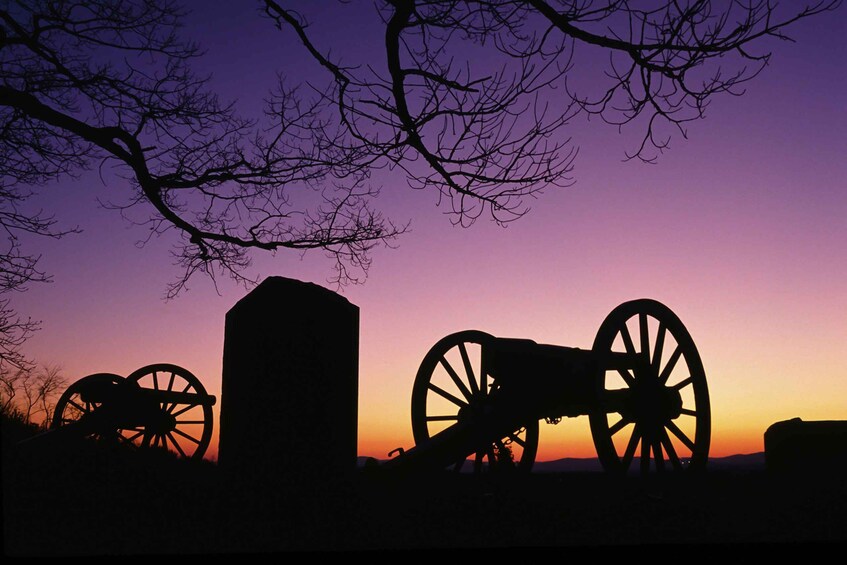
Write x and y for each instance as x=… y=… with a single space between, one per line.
x=76 y=403
x=451 y=383
x=661 y=415
x=189 y=422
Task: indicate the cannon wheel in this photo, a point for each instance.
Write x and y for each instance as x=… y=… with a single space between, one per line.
x=451 y=377
x=657 y=441
x=72 y=405
x=192 y=430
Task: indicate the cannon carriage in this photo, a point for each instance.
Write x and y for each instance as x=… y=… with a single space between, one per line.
x=158 y=406
x=478 y=400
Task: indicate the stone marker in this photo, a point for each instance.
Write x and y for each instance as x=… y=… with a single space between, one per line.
x=289 y=395
x=806 y=446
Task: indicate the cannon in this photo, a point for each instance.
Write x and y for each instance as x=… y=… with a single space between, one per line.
x=158 y=406
x=478 y=400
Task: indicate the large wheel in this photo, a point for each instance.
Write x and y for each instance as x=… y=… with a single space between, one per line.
x=188 y=428
x=661 y=418
x=452 y=379
x=76 y=403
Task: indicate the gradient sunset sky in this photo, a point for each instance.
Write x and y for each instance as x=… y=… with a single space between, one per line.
x=740 y=229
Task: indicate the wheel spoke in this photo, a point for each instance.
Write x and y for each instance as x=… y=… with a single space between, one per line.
x=155 y=380
x=631 y=447
x=456 y=380
x=447 y=395
x=515 y=438
x=468 y=368
x=454 y=417
x=672 y=456
x=182 y=410
x=133 y=438
x=666 y=373
x=188 y=437
x=77 y=406
x=626 y=376
x=657 y=350
x=681 y=435
x=645 y=335
x=627 y=339
x=688 y=412
x=657 y=454
x=171 y=381
x=683 y=383
x=176 y=445
x=622 y=423
x=645 y=455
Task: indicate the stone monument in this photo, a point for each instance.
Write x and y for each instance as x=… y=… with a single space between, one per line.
x=289 y=394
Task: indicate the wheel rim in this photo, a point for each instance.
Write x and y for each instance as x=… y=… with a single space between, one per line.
x=451 y=381
x=189 y=428
x=666 y=422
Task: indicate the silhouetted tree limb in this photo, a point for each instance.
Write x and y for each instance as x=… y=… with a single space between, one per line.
x=111 y=80
x=665 y=61
x=14 y=331
x=668 y=59
x=484 y=141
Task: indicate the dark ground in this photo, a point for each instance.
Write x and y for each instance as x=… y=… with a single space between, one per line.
x=86 y=501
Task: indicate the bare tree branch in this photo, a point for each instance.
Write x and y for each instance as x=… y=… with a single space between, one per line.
x=31 y=392
x=471 y=100
x=111 y=80
x=485 y=139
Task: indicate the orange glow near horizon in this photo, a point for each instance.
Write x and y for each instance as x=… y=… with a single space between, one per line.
x=571 y=438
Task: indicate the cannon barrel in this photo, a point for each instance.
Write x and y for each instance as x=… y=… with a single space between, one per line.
x=552 y=381
x=103 y=392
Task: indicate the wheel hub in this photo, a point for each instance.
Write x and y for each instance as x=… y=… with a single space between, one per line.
x=652 y=402
x=162 y=423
